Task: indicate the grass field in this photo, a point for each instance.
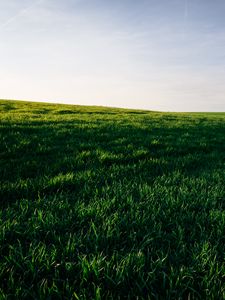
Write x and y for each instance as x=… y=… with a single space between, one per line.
x=104 y=203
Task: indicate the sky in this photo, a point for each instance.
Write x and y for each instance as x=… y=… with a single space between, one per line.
x=166 y=55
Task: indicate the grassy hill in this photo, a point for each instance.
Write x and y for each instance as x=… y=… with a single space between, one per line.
x=104 y=203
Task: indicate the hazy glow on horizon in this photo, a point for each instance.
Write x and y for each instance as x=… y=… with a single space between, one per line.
x=153 y=54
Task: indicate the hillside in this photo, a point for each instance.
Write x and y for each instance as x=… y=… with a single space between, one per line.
x=106 y=203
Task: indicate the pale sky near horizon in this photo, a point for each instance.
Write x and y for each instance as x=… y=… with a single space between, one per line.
x=164 y=55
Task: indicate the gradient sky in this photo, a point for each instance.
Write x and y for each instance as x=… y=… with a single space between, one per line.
x=164 y=55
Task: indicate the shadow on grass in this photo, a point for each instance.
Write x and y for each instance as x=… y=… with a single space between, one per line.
x=45 y=149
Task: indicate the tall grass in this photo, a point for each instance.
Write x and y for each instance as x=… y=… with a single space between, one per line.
x=102 y=203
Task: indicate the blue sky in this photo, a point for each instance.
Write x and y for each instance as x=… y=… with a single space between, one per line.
x=154 y=54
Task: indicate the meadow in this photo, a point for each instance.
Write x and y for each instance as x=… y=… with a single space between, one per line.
x=106 y=203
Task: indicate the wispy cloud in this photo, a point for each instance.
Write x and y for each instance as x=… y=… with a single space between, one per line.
x=20 y=13
x=186 y=10
x=186 y=15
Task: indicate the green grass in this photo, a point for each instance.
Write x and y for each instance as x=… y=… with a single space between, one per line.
x=104 y=203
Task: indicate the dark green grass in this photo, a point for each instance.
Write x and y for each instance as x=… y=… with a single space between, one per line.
x=100 y=203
